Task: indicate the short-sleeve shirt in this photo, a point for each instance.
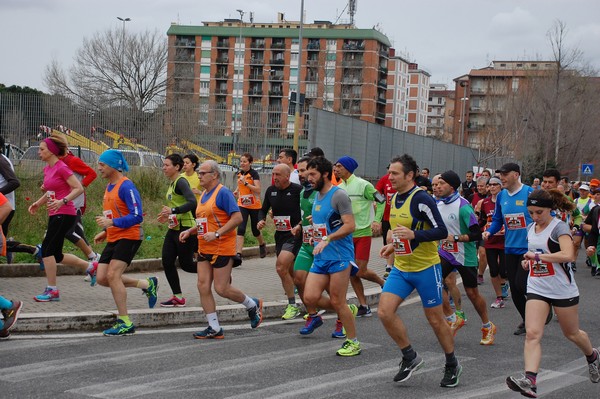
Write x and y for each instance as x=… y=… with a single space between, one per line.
x=55 y=179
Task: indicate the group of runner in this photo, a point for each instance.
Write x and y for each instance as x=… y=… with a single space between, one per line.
x=324 y=223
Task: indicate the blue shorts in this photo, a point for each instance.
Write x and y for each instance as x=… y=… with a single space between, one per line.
x=333 y=266
x=428 y=284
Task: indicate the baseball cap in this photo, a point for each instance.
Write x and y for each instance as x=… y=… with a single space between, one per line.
x=509 y=167
x=584 y=187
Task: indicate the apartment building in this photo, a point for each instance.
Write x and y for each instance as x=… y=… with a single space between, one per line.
x=244 y=78
x=440 y=112
x=397 y=109
x=483 y=99
x=418 y=99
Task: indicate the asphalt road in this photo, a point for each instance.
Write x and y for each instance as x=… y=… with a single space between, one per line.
x=275 y=362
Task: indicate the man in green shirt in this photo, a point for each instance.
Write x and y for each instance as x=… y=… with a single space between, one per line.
x=362 y=194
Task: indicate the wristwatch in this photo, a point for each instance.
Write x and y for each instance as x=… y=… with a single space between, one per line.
x=217 y=234
x=324 y=238
x=65 y=201
x=456 y=237
x=173 y=210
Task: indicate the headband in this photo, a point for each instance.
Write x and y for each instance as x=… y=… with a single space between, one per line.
x=52 y=147
x=541 y=202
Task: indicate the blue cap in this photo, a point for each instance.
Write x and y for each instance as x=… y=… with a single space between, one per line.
x=114 y=159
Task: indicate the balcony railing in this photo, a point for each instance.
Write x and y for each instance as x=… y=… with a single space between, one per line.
x=255 y=92
x=313 y=46
x=278 y=45
x=276 y=78
x=256 y=76
x=259 y=45
x=222 y=75
x=223 y=43
x=221 y=91
x=257 y=61
x=277 y=62
x=222 y=60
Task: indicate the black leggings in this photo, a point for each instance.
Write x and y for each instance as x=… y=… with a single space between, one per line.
x=58 y=226
x=171 y=250
x=253 y=213
x=77 y=233
x=517 y=277
x=385 y=227
x=496 y=262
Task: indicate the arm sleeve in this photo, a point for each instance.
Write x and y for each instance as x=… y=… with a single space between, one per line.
x=131 y=196
x=182 y=187
x=12 y=182
x=428 y=212
x=266 y=205
x=83 y=169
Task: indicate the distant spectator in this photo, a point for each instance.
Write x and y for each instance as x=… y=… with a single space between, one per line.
x=468 y=186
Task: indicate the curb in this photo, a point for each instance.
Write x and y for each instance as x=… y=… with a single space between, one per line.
x=153 y=318
x=137 y=266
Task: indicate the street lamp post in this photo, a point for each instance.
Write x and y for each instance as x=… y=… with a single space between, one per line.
x=463 y=115
x=234 y=106
x=297 y=108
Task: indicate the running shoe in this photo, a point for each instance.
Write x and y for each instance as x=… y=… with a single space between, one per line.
x=407 y=367
x=291 y=312
x=38 y=256
x=593 y=368
x=364 y=311
x=479 y=279
x=256 y=313
x=497 y=304
x=340 y=331
x=354 y=309
x=505 y=290
x=312 y=323
x=262 y=249
x=520 y=329
x=173 y=302
x=456 y=325
x=522 y=385
x=48 y=295
x=209 y=333
x=10 y=317
x=119 y=329
x=488 y=335
x=387 y=272
x=451 y=376
x=349 y=348
x=91 y=271
x=152 y=291
x=462 y=315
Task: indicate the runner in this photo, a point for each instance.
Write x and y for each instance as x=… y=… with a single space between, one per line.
x=475 y=199
x=550 y=283
x=333 y=224
x=190 y=164
x=458 y=251
x=121 y=223
x=511 y=213
x=248 y=195
x=418 y=226
x=284 y=199
x=385 y=188
x=288 y=157
x=61 y=188
x=362 y=194
x=177 y=215
x=217 y=216
x=10 y=309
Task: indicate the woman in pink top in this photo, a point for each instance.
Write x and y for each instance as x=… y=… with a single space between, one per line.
x=61 y=187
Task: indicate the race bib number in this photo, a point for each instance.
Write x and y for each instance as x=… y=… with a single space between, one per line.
x=307 y=234
x=202 y=224
x=51 y=195
x=319 y=231
x=401 y=246
x=515 y=221
x=282 y=223
x=540 y=269
x=108 y=214
x=247 y=200
x=450 y=246
x=173 y=222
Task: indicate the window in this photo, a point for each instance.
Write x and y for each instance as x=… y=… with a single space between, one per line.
x=515 y=84
x=205 y=69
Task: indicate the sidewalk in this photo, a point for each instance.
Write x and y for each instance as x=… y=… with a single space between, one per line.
x=92 y=308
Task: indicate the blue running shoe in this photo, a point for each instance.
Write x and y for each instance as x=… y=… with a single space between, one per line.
x=119 y=329
x=255 y=314
x=505 y=291
x=91 y=271
x=209 y=333
x=312 y=323
x=48 y=295
x=152 y=291
x=340 y=331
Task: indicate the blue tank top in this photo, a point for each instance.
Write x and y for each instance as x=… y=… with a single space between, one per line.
x=326 y=221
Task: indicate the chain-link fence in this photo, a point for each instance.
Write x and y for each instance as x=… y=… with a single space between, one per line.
x=205 y=129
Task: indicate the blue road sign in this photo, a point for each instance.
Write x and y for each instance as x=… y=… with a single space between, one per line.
x=587 y=169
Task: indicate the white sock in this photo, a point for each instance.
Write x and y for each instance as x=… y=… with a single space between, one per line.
x=213 y=321
x=249 y=302
x=451 y=318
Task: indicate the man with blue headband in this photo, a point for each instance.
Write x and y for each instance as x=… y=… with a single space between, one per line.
x=121 y=223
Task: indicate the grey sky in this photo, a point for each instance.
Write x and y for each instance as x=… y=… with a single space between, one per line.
x=446 y=37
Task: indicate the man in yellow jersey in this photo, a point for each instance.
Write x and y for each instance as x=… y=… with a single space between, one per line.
x=416 y=227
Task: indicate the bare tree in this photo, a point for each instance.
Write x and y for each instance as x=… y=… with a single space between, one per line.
x=114 y=68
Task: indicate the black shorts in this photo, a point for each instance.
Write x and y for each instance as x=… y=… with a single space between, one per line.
x=123 y=250
x=467 y=273
x=216 y=261
x=557 y=303
x=286 y=241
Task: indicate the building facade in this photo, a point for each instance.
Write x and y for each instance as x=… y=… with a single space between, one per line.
x=440 y=112
x=418 y=99
x=397 y=109
x=240 y=81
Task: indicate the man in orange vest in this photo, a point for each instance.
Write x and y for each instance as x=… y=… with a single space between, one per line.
x=217 y=218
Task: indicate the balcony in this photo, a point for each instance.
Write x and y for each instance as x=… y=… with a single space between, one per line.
x=313 y=46
x=222 y=75
x=381 y=99
x=353 y=46
x=312 y=63
x=477 y=90
x=353 y=63
x=276 y=78
x=312 y=77
x=275 y=93
x=223 y=43
x=382 y=83
x=383 y=53
x=350 y=95
x=278 y=45
x=380 y=115
x=222 y=60
x=257 y=61
x=256 y=76
x=352 y=80
x=185 y=43
x=280 y=61
x=221 y=91
x=255 y=92
x=257 y=45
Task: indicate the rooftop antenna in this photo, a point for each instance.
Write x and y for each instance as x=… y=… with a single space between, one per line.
x=352 y=10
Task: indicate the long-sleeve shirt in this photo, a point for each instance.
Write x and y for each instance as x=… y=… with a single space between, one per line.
x=362 y=195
